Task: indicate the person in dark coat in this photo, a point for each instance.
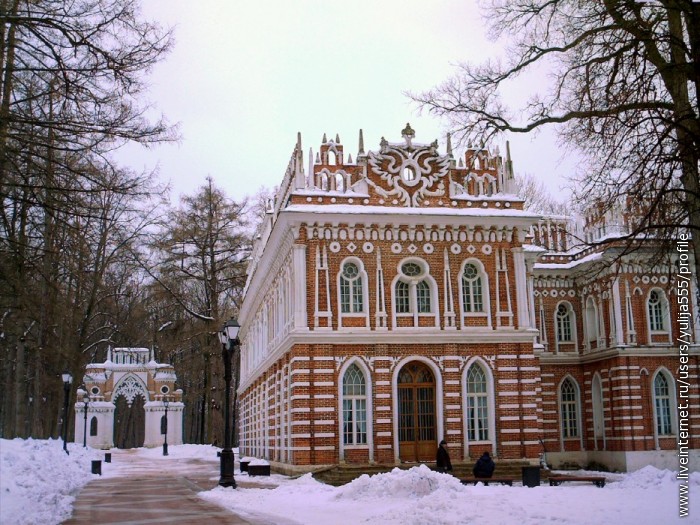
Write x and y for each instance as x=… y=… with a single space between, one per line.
x=484 y=466
x=443 y=458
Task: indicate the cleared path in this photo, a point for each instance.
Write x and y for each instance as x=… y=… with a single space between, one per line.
x=136 y=490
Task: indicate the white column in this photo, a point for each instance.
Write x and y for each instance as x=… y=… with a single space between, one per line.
x=617 y=310
x=299 y=290
x=521 y=288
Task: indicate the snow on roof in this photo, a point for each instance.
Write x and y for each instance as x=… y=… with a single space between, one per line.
x=569 y=265
x=389 y=210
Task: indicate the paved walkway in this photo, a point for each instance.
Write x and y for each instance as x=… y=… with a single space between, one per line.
x=136 y=490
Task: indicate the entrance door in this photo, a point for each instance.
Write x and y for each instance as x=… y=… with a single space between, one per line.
x=417 y=432
x=129 y=423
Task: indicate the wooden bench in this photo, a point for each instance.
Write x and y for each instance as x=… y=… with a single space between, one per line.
x=598 y=481
x=486 y=481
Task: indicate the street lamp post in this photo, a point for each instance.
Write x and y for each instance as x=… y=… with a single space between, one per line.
x=67 y=380
x=229 y=341
x=86 y=400
x=165 y=427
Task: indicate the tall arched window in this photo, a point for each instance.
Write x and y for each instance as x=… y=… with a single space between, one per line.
x=662 y=405
x=423 y=297
x=351 y=299
x=564 y=319
x=354 y=407
x=655 y=309
x=93 y=426
x=569 y=409
x=477 y=404
x=403 y=303
x=472 y=289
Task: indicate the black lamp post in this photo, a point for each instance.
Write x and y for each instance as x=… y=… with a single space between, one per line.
x=67 y=380
x=229 y=341
x=86 y=400
x=165 y=427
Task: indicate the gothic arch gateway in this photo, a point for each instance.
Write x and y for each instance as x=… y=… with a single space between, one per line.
x=132 y=380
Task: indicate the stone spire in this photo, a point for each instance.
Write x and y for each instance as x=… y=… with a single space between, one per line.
x=362 y=145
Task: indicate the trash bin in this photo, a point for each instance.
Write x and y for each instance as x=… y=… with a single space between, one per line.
x=244 y=465
x=108 y=457
x=531 y=476
x=97 y=467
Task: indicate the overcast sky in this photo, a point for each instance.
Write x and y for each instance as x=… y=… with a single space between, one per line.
x=245 y=76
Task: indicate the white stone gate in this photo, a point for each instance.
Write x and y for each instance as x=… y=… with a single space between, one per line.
x=128 y=372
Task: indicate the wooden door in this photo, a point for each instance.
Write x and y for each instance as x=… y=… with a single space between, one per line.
x=417 y=423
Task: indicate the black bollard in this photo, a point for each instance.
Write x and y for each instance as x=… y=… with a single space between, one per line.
x=108 y=457
x=97 y=466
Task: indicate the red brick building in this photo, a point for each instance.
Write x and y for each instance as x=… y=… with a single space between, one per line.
x=406 y=297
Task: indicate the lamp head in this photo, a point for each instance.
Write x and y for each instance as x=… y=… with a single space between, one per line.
x=231 y=328
x=67 y=378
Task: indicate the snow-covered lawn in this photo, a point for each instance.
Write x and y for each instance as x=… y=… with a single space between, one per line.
x=38 y=484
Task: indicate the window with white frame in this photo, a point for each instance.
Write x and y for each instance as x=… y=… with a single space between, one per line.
x=564 y=317
x=477 y=404
x=655 y=309
x=413 y=291
x=472 y=289
x=354 y=407
x=569 y=409
x=662 y=405
x=351 y=299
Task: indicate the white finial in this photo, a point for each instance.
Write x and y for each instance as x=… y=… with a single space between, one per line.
x=299 y=139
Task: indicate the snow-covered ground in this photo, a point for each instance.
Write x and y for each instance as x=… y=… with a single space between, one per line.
x=38 y=484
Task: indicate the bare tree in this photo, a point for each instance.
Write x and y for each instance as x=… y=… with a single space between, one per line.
x=199 y=257
x=71 y=92
x=537 y=197
x=624 y=84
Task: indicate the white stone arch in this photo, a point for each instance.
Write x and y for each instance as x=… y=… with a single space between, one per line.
x=369 y=407
x=364 y=280
x=579 y=421
x=491 y=399
x=440 y=430
x=486 y=291
x=598 y=410
x=128 y=372
x=434 y=297
x=673 y=403
x=130 y=385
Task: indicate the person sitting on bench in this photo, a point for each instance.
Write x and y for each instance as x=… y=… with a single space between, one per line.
x=484 y=466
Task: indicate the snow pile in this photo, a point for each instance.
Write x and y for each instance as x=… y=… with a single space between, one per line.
x=39 y=482
x=415 y=482
x=645 y=478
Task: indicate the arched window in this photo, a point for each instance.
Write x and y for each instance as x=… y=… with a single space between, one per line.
x=351 y=300
x=423 y=297
x=354 y=407
x=662 y=405
x=93 y=426
x=569 y=409
x=413 y=291
x=564 y=323
x=655 y=309
x=403 y=303
x=472 y=289
x=591 y=320
x=477 y=404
